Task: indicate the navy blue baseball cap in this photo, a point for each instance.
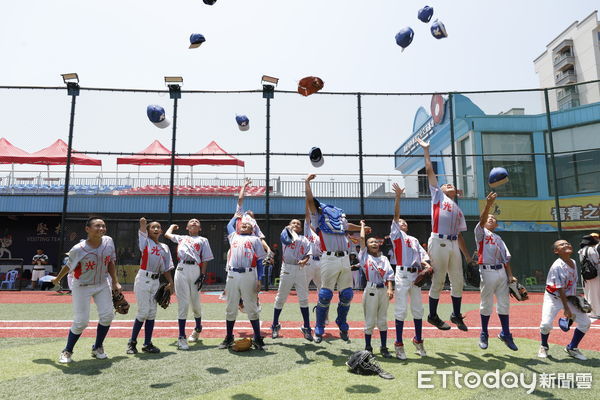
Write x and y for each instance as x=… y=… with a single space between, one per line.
x=196 y=39
x=565 y=324
x=210 y=2
x=498 y=177
x=243 y=122
x=404 y=37
x=156 y=115
x=425 y=14
x=316 y=157
x=438 y=30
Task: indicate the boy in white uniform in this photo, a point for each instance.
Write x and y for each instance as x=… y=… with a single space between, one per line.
x=376 y=299
x=590 y=249
x=313 y=266
x=91 y=262
x=156 y=260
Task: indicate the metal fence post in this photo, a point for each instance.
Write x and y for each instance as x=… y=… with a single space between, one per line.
x=555 y=180
x=360 y=159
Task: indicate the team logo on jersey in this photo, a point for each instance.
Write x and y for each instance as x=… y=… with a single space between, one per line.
x=90 y=266
x=446 y=206
x=155 y=250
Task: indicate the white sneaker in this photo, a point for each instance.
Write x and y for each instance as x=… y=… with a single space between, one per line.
x=400 y=354
x=65 y=357
x=99 y=353
x=543 y=352
x=182 y=344
x=194 y=336
x=420 y=348
x=575 y=353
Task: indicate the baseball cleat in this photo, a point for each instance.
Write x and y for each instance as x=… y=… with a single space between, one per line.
x=369 y=349
x=508 y=341
x=258 y=343
x=150 y=348
x=575 y=353
x=318 y=338
x=65 y=357
x=275 y=331
x=227 y=343
x=543 y=352
x=459 y=321
x=420 y=347
x=385 y=352
x=400 y=354
x=131 y=347
x=483 y=340
x=437 y=322
x=307 y=332
x=182 y=344
x=195 y=335
x=98 y=352
x=344 y=336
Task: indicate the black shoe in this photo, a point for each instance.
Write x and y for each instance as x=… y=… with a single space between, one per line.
x=458 y=320
x=369 y=349
x=385 y=352
x=275 y=331
x=258 y=343
x=131 y=349
x=150 y=348
x=437 y=322
x=307 y=332
x=318 y=338
x=227 y=343
x=344 y=336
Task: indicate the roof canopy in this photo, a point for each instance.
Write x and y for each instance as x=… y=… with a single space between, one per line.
x=10 y=154
x=155 y=147
x=221 y=157
x=56 y=154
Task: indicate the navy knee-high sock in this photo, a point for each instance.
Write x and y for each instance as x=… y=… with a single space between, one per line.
x=456 y=301
x=198 y=324
x=305 y=316
x=577 y=336
x=399 y=327
x=383 y=337
x=485 y=320
x=256 y=328
x=230 y=325
x=100 y=335
x=181 y=327
x=276 y=313
x=545 y=339
x=367 y=340
x=504 y=322
x=137 y=327
x=433 y=304
x=418 y=330
x=71 y=340
x=148 y=331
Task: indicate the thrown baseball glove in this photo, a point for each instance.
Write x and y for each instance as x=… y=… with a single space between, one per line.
x=580 y=303
x=472 y=274
x=363 y=363
x=200 y=281
x=310 y=85
x=243 y=344
x=423 y=277
x=518 y=291
x=119 y=303
x=163 y=296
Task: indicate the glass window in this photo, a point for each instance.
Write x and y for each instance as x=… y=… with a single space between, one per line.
x=521 y=167
x=466 y=167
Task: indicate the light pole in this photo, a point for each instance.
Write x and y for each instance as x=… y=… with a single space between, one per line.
x=174 y=84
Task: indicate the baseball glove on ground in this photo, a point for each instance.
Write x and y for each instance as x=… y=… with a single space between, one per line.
x=243 y=344
x=518 y=291
x=200 y=281
x=163 y=296
x=119 y=303
x=363 y=363
x=472 y=274
x=423 y=277
x=580 y=303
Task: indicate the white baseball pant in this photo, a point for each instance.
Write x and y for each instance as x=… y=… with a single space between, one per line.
x=36 y=274
x=335 y=270
x=81 y=295
x=591 y=290
x=145 y=288
x=552 y=306
x=312 y=269
x=241 y=285
x=186 y=290
x=493 y=282
x=405 y=291
x=291 y=275
x=375 y=305
x=445 y=259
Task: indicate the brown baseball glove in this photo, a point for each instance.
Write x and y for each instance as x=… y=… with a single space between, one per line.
x=580 y=303
x=163 y=296
x=423 y=277
x=310 y=85
x=243 y=344
x=119 y=303
x=518 y=291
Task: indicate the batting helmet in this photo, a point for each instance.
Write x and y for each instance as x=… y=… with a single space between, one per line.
x=404 y=37
x=425 y=14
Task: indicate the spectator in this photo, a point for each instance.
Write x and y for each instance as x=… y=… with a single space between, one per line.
x=591 y=288
x=38 y=261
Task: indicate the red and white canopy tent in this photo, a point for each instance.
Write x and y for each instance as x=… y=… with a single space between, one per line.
x=10 y=154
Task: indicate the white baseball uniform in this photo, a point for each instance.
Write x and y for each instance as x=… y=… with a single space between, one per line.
x=244 y=252
x=293 y=274
x=245 y=217
x=156 y=259
x=191 y=252
x=90 y=271
x=447 y=222
x=492 y=254
x=409 y=256
x=375 y=299
x=312 y=269
x=561 y=275
x=38 y=270
x=591 y=288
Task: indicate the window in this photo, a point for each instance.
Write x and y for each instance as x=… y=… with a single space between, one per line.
x=466 y=167
x=423 y=180
x=520 y=166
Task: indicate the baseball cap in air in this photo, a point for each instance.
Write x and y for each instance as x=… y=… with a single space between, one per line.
x=316 y=157
x=196 y=39
x=243 y=122
x=156 y=115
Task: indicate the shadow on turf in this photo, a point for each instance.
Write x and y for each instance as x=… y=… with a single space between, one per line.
x=217 y=371
x=161 y=385
x=362 y=389
x=83 y=367
x=300 y=349
x=245 y=396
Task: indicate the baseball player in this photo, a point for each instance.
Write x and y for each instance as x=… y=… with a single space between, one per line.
x=243 y=279
x=444 y=246
x=156 y=260
x=193 y=253
x=590 y=249
x=90 y=261
x=331 y=225
x=296 y=252
x=313 y=266
x=560 y=283
x=411 y=258
x=376 y=299
x=493 y=258
x=39 y=271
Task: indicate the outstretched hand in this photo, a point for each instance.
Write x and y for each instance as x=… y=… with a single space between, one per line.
x=397 y=189
x=310 y=177
x=424 y=145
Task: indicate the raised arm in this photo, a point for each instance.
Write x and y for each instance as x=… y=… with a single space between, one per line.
x=398 y=191
x=169 y=232
x=363 y=235
x=310 y=200
x=240 y=202
x=428 y=166
x=486 y=210
x=143 y=224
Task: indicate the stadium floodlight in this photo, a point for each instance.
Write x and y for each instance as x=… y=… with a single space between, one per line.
x=174 y=83
x=72 y=77
x=268 y=84
x=72 y=81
